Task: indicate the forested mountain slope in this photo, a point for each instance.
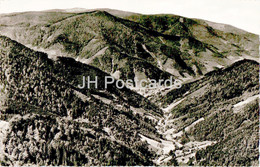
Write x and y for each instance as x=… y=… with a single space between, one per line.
x=53 y=122
x=222 y=107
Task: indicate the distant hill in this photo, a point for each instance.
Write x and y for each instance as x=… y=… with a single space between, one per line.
x=164 y=44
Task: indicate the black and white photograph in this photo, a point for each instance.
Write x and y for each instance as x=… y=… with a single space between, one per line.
x=129 y=82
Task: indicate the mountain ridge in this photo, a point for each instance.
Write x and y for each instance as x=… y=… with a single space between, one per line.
x=186 y=52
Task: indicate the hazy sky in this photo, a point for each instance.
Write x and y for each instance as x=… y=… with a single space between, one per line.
x=244 y=14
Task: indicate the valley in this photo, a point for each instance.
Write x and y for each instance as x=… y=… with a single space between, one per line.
x=45 y=119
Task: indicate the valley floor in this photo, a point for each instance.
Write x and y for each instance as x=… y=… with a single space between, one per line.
x=172 y=142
